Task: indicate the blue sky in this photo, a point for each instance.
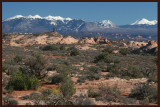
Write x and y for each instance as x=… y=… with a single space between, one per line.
x=118 y=12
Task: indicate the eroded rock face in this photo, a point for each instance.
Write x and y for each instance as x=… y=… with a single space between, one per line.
x=43 y=38
x=115 y=51
x=98 y=39
x=152 y=44
x=68 y=40
x=135 y=44
x=102 y=40
x=87 y=40
x=151 y=48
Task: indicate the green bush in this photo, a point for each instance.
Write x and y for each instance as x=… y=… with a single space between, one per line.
x=145 y=92
x=132 y=72
x=47 y=92
x=102 y=57
x=49 y=48
x=107 y=50
x=13 y=102
x=82 y=100
x=93 y=94
x=58 y=78
x=8 y=100
x=17 y=59
x=81 y=79
x=114 y=70
x=20 y=81
x=67 y=88
x=75 y=52
x=4 y=68
x=124 y=51
x=36 y=65
x=109 y=94
x=93 y=73
x=102 y=66
x=127 y=100
x=62 y=47
x=12 y=69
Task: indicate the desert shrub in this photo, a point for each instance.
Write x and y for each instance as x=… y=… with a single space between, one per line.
x=8 y=100
x=99 y=98
x=63 y=68
x=107 y=50
x=51 y=67
x=12 y=69
x=62 y=47
x=74 y=52
x=132 y=72
x=126 y=100
x=66 y=68
x=93 y=94
x=124 y=51
x=114 y=70
x=82 y=100
x=93 y=73
x=36 y=65
x=46 y=92
x=102 y=66
x=144 y=102
x=145 y=92
x=81 y=79
x=109 y=94
x=103 y=57
x=153 y=77
x=17 y=59
x=20 y=81
x=67 y=88
x=55 y=91
x=59 y=78
x=4 y=68
x=49 y=48
x=50 y=97
x=109 y=75
x=25 y=97
x=13 y=102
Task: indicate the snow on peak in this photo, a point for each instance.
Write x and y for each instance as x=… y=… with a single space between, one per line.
x=34 y=17
x=14 y=17
x=107 y=23
x=56 y=18
x=144 y=21
x=51 y=18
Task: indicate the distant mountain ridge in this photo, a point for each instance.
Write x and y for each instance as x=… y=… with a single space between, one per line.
x=38 y=24
x=144 y=21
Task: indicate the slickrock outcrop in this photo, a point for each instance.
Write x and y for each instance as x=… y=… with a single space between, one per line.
x=152 y=44
x=68 y=40
x=136 y=44
x=85 y=47
x=87 y=40
x=115 y=51
x=98 y=39
x=151 y=47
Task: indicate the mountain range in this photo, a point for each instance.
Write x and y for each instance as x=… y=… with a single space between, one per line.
x=38 y=24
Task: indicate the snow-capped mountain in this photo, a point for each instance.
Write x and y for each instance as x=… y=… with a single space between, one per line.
x=38 y=24
x=107 y=24
x=53 y=19
x=31 y=23
x=144 y=21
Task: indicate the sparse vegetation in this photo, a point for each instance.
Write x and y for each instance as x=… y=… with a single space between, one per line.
x=20 y=81
x=63 y=72
x=124 y=51
x=145 y=92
